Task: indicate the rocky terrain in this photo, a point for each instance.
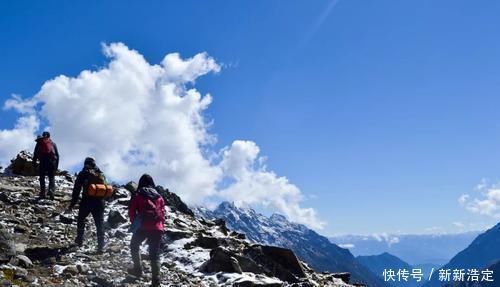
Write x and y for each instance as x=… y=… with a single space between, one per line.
x=36 y=244
x=276 y=230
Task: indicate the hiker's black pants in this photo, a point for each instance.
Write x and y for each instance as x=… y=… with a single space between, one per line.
x=95 y=207
x=47 y=168
x=154 y=239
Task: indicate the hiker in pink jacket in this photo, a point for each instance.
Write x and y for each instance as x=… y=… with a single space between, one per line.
x=147 y=215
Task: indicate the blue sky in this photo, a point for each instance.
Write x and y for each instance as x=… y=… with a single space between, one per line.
x=383 y=113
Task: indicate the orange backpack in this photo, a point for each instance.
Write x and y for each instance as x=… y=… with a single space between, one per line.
x=100 y=190
x=97 y=186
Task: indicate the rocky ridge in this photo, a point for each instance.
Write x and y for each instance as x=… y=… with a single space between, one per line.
x=309 y=246
x=36 y=245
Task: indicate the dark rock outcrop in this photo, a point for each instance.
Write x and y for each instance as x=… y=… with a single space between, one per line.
x=279 y=262
x=22 y=164
x=174 y=201
x=115 y=218
x=222 y=260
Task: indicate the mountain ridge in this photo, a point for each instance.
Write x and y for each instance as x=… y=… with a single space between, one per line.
x=309 y=246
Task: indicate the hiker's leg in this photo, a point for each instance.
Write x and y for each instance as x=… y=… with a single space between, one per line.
x=98 y=215
x=135 y=243
x=52 y=182
x=154 y=240
x=83 y=212
x=41 y=178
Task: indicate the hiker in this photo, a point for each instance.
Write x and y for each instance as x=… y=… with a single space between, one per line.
x=147 y=215
x=90 y=204
x=46 y=152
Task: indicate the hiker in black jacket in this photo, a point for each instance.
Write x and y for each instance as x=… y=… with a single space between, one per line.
x=46 y=152
x=89 y=204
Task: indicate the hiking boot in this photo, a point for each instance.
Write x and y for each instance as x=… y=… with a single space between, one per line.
x=41 y=195
x=51 y=196
x=134 y=271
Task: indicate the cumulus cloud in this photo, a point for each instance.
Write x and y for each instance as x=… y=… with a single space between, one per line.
x=487 y=203
x=21 y=136
x=136 y=117
x=253 y=183
x=386 y=237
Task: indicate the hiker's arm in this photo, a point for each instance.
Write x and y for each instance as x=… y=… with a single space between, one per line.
x=132 y=209
x=76 y=189
x=35 y=153
x=56 y=152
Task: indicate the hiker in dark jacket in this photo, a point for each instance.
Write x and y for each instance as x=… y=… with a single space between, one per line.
x=46 y=152
x=147 y=208
x=89 y=204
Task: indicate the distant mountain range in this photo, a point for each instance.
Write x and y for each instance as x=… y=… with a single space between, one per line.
x=418 y=250
x=384 y=262
x=482 y=253
x=311 y=247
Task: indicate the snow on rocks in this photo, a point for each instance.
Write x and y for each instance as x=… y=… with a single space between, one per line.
x=36 y=244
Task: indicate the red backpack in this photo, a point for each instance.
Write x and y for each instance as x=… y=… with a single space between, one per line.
x=47 y=148
x=151 y=211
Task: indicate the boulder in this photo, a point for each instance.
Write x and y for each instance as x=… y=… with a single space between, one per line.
x=71 y=270
x=23 y=261
x=65 y=219
x=177 y=234
x=203 y=242
x=22 y=164
x=238 y=235
x=131 y=187
x=7 y=246
x=45 y=253
x=221 y=223
x=120 y=192
x=221 y=260
x=115 y=218
x=174 y=201
x=278 y=262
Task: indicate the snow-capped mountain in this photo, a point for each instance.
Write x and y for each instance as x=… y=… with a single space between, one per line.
x=309 y=246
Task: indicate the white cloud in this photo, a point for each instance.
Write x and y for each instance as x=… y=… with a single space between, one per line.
x=347 y=246
x=254 y=184
x=135 y=117
x=386 y=237
x=488 y=203
x=21 y=137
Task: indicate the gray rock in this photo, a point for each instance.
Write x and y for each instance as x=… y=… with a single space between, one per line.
x=7 y=246
x=22 y=164
x=176 y=234
x=131 y=187
x=83 y=268
x=115 y=218
x=278 y=262
x=71 y=269
x=203 y=242
x=221 y=260
x=66 y=219
x=24 y=261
